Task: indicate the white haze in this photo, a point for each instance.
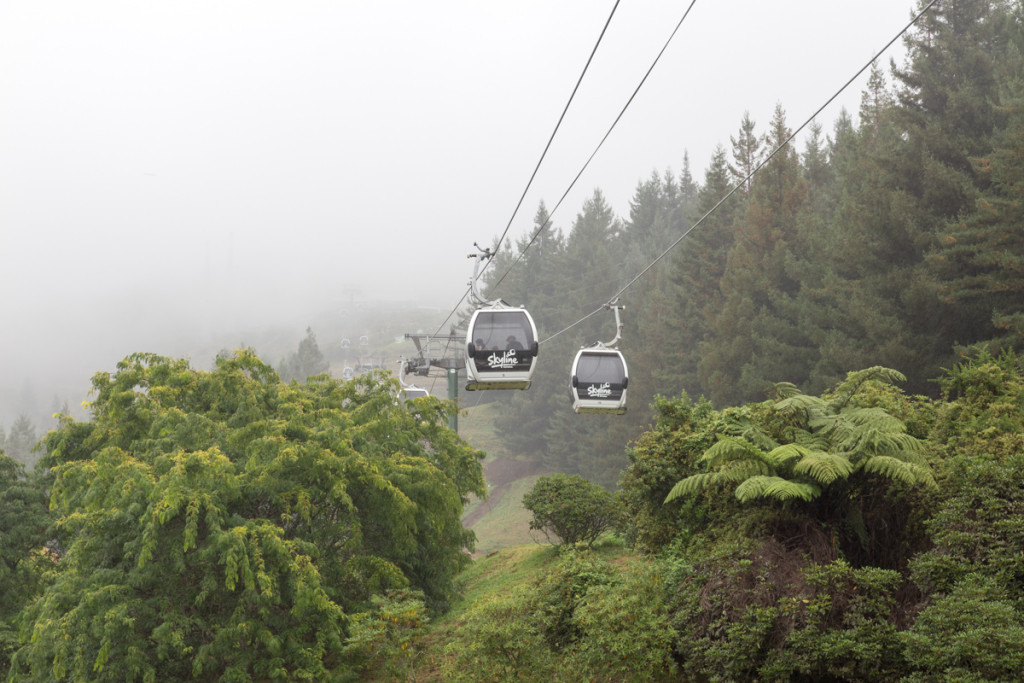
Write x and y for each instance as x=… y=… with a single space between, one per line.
x=175 y=176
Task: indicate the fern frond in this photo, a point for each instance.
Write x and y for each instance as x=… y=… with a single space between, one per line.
x=824 y=468
x=758 y=438
x=821 y=421
x=895 y=469
x=813 y=441
x=878 y=417
x=855 y=380
x=729 y=448
x=738 y=470
x=786 y=453
x=690 y=485
x=786 y=389
x=800 y=402
x=776 y=488
x=869 y=440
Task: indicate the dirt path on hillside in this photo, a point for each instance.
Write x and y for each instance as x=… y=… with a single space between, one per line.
x=500 y=474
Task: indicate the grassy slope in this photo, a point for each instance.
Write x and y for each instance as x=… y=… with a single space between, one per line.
x=494 y=574
x=501 y=520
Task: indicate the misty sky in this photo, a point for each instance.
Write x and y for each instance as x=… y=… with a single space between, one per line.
x=176 y=167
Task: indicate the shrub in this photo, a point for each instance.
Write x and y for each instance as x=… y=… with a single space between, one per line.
x=657 y=460
x=380 y=640
x=972 y=634
x=571 y=508
x=562 y=589
x=505 y=642
x=625 y=630
x=845 y=627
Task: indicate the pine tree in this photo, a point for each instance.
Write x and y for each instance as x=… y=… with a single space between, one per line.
x=689 y=291
x=980 y=261
x=21 y=441
x=756 y=332
x=949 y=116
x=746 y=152
x=306 y=362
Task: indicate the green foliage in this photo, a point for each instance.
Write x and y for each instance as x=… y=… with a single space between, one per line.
x=381 y=640
x=571 y=509
x=821 y=450
x=977 y=528
x=845 y=626
x=579 y=618
x=825 y=590
x=624 y=628
x=506 y=642
x=725 y=610
x=23 y=555
x=658 y=459
x=976 y=633
x=224 y=525
x=749 y=610
x=560 y=592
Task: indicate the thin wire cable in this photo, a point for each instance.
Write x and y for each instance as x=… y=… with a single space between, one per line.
x=750 y=175
x=600 y=144
x=557 y=126
x=536 y=168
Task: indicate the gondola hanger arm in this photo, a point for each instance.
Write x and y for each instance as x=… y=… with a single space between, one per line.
x=615 y=306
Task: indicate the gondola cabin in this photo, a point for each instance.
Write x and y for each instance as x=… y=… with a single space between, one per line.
x=412 y=392
x=598 y=382
x=501 y=349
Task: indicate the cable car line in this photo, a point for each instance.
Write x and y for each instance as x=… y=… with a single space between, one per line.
x=543 y=155
x=586 y=164
x=557 y=126
x=600 y=144
x=750 y=175
x=536 y=343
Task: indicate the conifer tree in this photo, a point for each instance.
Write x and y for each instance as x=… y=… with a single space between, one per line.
x=691 y=285
x=306 y=362
x=756 y=332
x=747 y=151
x=949 y=111
x=21 y=441
x=980 y=259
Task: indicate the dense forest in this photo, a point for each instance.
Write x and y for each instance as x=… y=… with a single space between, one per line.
x=819 y=474
x=894 y=239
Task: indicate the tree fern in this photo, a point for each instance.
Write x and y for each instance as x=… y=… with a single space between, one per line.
x=776 y=488
x=787 y=453
x=737 y=471
x=828 y=441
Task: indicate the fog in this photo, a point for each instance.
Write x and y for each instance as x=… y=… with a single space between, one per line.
x=186 y=176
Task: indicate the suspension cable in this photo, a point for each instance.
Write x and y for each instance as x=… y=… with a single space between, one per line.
x=750 y=175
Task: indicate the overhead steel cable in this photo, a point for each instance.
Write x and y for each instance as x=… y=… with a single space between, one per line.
x=750 y=175
x=586 y=164
x=536 y=168
x=599 y=144
x=557 y=126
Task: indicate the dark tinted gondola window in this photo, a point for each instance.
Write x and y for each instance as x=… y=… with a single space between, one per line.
x=600 y=368
x=493 y=329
